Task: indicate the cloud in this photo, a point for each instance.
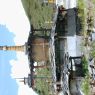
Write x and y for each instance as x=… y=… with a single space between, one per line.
x=13 y=16
x=20 y=69
x=26 y=90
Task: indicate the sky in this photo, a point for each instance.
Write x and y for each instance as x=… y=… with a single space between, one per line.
x=14 y=30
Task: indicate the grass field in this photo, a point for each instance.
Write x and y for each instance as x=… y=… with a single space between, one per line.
x=43 y=87
x=38 y=14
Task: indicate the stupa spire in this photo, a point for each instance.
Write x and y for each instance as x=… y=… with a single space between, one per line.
x=13 y=48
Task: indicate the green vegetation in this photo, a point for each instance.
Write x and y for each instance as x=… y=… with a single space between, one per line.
x=85 y=66
x=81 y=4
x=93 y=1
x=81 y=15
x=92 y=52
x=85 y=85
x=38 y=12
x=43 y=87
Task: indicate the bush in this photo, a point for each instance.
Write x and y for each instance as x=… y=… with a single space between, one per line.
x=84 y=66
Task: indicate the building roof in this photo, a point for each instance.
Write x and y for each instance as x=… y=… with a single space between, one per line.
x=69 y=23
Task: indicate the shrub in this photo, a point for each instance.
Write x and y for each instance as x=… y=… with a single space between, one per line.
x=84 y=66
